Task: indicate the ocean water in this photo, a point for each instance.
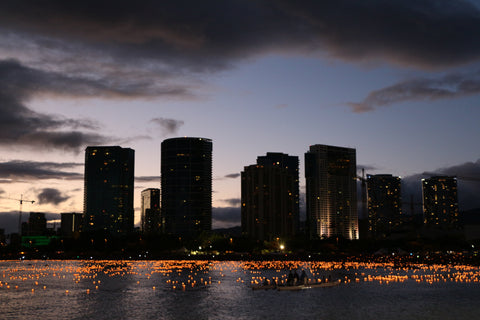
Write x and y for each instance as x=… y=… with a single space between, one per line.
x=222 y=290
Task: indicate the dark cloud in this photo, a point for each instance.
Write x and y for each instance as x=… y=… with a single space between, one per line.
x=51 y=196
x=209 y=35
x=412 y=194
x=466 y=171
x=234 y=202
x=232 y=175
x=168 y=126
x=28 y=170
x=121 y=49
x=423 y=33
x=468 y=182
x=20 y=125
x=448 y=86
x=225 y=217
x=148 y=179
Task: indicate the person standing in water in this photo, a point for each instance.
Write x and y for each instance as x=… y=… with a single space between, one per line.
x=303 y=278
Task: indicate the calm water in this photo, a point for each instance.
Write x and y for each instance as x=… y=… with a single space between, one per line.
x=221 y=290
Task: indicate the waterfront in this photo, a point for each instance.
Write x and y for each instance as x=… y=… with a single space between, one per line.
x=221 y=290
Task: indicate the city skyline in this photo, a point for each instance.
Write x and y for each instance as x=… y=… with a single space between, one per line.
x=415 y=183
x=254 y=77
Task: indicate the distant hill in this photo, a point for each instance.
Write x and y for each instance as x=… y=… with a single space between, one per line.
x=470 y=216
x=232 y=232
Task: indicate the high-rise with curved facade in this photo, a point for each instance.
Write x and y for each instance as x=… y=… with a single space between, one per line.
x=186 y=187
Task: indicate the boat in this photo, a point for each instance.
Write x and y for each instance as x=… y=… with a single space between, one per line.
x=309 y=286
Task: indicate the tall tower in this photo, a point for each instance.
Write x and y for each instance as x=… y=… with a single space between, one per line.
x=37 y=224
x=108 y=192
x=270 y=197
x=150 y=211
x=440 y=202
x=186 y=165
x=331 y=192
x=71 y=224
x=384 y=204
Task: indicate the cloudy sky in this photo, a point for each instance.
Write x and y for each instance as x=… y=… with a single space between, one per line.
x=398 y=80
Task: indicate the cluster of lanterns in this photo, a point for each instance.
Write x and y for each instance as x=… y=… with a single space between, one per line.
x=89 y=276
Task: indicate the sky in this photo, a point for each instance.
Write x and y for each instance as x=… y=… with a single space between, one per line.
x=397 y=80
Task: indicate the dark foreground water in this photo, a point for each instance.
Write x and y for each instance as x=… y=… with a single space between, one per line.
x=222 y=290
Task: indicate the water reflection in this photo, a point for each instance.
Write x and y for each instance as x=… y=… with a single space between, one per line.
x=222 y=290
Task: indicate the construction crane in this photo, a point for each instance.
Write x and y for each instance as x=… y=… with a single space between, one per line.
x=363 y=180
x=21 y=201
x=364 y=195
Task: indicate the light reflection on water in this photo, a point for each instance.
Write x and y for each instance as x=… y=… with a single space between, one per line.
x=221 y=290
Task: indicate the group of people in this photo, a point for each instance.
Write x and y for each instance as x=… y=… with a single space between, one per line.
x=294 y=280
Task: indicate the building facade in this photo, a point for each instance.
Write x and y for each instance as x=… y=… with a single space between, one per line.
x=71 y=224
x=384 y=205
x=440 y=202
x=270 y=197
x=186 y=185
x=108 y=190
x=151 y=221
x=331 y=194
x=36 y=225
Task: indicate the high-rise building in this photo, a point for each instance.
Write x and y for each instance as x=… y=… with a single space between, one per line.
x=331 y=194
x=71 y=224
x=270 y=197
x=37 y=225
x=108 y=191
x=440 y=202
x=186 y=185
x=384 y=204
x=151 y=220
